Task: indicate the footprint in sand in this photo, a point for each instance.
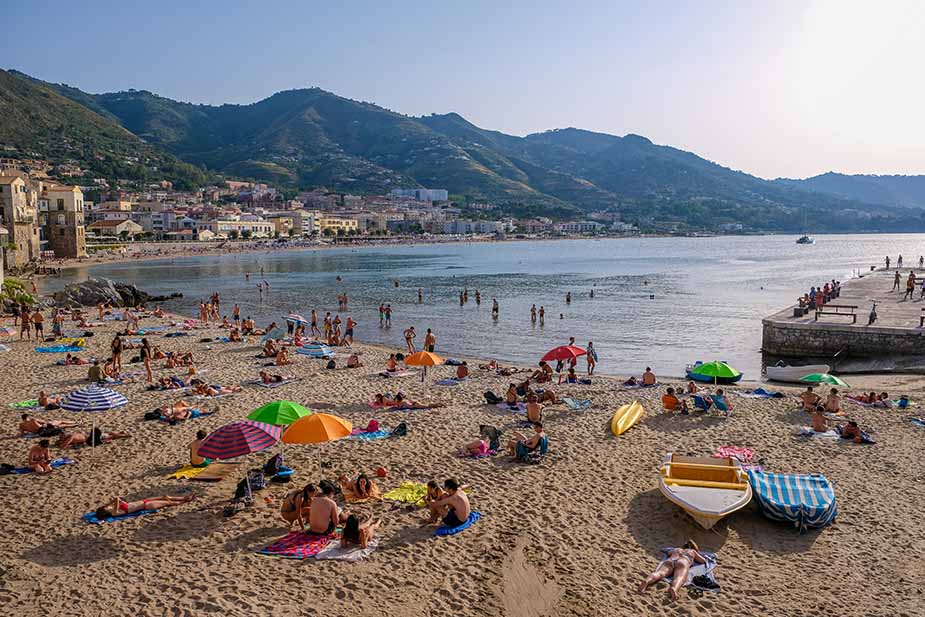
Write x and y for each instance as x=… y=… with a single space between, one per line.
x=526 y=593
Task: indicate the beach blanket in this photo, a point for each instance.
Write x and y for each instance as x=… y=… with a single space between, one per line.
x=333 y=550
x=187 y=472
x=743 y=455
x=576 y=404
x=519 y=408
x=90 y=517
x=452 y=381
x=920 y=422
x=370 y=435
x=443 y=530
x=698 y=570
x=58 y=462
x=297 y=545
x=32 y=403
x=216 y=472
x=408 y=492
x=397 y=374
x=78 y=341
x=4 y=348
x=113 y=317
x=760 y=393
x=152 y=329
x=807 y=431
x=59 y=349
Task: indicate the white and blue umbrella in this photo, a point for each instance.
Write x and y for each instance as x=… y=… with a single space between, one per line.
x=94 y=398
x=296 y=318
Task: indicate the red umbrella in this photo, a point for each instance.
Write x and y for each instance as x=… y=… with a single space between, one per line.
x=564 y=352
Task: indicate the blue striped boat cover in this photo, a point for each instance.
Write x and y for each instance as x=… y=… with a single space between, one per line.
x=805 y=501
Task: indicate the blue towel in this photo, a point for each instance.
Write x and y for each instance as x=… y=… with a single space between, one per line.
x=90 y=517
x=59 y=349
x=918 y=422
x=447 y=382
x=58 y=462
x=452 y=531
x=380 y=434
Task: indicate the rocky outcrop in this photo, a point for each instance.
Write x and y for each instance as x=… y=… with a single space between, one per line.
x=94 y=291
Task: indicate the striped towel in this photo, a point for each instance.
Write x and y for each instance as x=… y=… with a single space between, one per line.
x=297 y=545
x=804 y=500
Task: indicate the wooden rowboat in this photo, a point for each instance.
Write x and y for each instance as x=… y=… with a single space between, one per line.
x=706 y=488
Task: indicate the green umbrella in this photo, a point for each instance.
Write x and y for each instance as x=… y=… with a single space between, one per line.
x=279 y=412
x=716 y=370
x=824 y=378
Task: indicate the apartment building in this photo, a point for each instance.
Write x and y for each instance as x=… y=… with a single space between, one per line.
x=64 y=225
x=19 y=212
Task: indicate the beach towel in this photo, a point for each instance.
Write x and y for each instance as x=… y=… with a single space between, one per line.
x=443 y=530
x=397 y=374
x=90 y=517
x=333 y=550
x=519 y=408
x=576 y=404
x=743 y=455
x=187 y=472
x=408 y=492
x=370 y=435
x=452 y=381
x=297 y=545
x=216 y=472
x=32 y=403
x=77 y=341
x=698 y=570
x=807 y=431
x=59 y=349
x=194 y=414
x=920 y=422
x=152 y=329
x=58 y=462
x=4 y=348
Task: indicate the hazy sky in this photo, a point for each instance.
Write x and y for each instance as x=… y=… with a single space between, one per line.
x=774 y=88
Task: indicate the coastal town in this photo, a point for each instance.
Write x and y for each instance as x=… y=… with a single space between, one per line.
x=45 y=219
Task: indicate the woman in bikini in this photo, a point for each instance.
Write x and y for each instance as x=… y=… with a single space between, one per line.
x=359 y=532
x=118 y=507
x=296 y=505
x=677 y=564
x=362 y=488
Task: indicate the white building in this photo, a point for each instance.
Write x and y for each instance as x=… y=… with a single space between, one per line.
x=578 y=227
x=422 y=194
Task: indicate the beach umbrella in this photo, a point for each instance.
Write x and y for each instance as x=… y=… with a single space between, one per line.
x=425 y=359
x=279 y=413
x=715 y=370
x=94 y=398
x=275 y=334
x=824 y=378
x=239 y=438
x=317 y=428
x=296 y=318
x=563 y=352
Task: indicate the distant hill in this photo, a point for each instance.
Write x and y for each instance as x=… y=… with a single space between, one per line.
x=309 y=137
x=39 y=122
x=908 y=191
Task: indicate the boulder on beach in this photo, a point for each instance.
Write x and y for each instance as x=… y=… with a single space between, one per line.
x=94 y=291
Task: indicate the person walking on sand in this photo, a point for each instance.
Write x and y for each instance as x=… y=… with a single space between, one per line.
x=897 y=281
x=117 y=346
x=910 y=286
x=409 y=338
x=430 y=341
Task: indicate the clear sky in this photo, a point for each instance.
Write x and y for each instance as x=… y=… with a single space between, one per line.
x=774 y=88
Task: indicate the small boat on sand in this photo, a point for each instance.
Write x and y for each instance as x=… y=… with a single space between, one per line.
x=792 y=374
x=706 y=488
x=625 y=417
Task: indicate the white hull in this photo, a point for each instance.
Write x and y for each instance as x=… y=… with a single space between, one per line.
x=792 y=374
x=707 y=505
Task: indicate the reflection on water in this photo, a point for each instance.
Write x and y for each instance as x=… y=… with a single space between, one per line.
x=661 y=302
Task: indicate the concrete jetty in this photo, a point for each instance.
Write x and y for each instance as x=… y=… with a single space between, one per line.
x=898 y=331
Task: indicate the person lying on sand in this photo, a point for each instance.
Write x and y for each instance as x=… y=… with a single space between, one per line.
x=883 y=401
x=30 y=424
x=73 y=440
x=497 y=368
x=176 y=360
x=71 y=360
x=177 y=412
x=39 y=458
x=49 y=402
x=203 y=389
x=852 y=431
x=400 y=402
x=479 y=447
x=453 y=509
x=359 y=531
x=267 y=378
x=157 y=354
x=324 y=515
x=809 y=399
x=296 y=505
x=676 y=565
x=158 y=312
x=354 y=361
x=118 y=507
x=361 y=488
x=632 y=381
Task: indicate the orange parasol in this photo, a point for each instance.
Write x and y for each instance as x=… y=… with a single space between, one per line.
x=317 y=428
x=423 y=358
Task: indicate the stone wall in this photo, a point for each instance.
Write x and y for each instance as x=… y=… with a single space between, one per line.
x=826 y=339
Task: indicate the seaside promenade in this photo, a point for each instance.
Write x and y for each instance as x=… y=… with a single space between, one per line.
x=897 y=332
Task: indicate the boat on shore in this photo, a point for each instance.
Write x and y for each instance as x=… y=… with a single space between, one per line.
x=707 y=488
x=806 y=240
x=793 y=374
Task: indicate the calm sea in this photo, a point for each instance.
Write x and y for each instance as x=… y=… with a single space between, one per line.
x=661 y=302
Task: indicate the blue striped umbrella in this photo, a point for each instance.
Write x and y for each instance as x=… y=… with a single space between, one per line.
x=94 y=398
x=239 y=438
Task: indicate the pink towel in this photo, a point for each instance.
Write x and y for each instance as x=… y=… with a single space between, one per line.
x=743 y=455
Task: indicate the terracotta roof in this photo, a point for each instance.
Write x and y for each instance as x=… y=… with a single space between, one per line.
x=8 y=179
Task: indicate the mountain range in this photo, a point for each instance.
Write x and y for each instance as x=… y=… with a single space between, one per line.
x=309 y=138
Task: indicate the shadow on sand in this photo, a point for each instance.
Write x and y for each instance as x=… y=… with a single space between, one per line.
x=73 y=550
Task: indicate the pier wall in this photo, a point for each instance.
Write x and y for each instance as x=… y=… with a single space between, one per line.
x=797 y=339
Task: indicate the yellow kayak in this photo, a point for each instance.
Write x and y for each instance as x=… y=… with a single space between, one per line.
x=626 y=417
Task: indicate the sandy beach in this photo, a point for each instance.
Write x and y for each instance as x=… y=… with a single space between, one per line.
x=574 y=535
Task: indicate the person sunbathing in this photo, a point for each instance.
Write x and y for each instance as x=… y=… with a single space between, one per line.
x=400 y=402
x=30 y=424
x=119 y=507
x=479 y=447
x=547 y=396
x=361 y=488
x=521 y=444
x=267 y=378
x=203 y=389
x=39 y=458
x=74 y=361
x=462 y=371
x=676 y=565
x=391 y=364
x=510 y=397
x=296 y=505
x=235 y=336
x=49 y=402
x=359 y=532
x=852 y=431
x=269 y=349
x=632 y=381
x=157 y=354
x=883 y=400
x=73 y=440
x=282 y=357
x=176 y=360
x=809 y=399
x=158 y=312
x=176 y=412
x=225 y=323
x=171 y=383
x=354 y=361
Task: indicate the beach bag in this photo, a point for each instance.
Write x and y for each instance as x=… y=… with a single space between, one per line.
x=491 y=398
x=400 y=431
x=331 y=364
x=273 y=465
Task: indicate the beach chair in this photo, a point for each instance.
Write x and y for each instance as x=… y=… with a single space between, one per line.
x=702 y=403
x=532 y=457
x=719 y=404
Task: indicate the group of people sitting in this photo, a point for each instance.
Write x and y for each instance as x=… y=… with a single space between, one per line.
x=821 y=410
x=647 y=380
x=316 y=506
x=880 y=400
x=676 y=400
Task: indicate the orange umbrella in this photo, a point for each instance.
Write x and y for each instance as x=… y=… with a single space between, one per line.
x=423 y=358
x=317 y=428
